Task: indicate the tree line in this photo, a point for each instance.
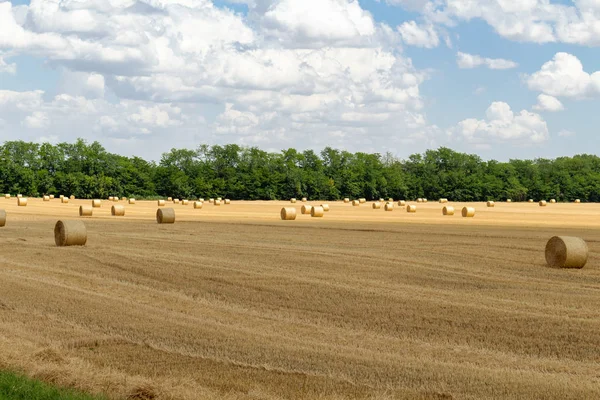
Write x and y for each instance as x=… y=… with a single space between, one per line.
x=89 y=171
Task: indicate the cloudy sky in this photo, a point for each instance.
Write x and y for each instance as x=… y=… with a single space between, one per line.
x=500 y=78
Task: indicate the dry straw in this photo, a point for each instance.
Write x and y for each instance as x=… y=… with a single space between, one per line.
x=411 y=208
x=131 y=201
x=391 y=200
x=389 y=206
x=543 y=203
x=117 y=210
x=424 y=200
x=61 y=196
x=419 y=200
x=566 y=252
x=346 y=200
x=468 y=212
x=508 y=200
x=317 y=212
x=2 y=218
x=198 y=204
x=19 y=196
x=64 y=200
x=292 y=200
x=288 y=213
x=161 y=203
x=305 y=209
x=211 y=200
x=110 y=198
x=51 y=197
x=448 y=210
x=185 y=202
x=124 y=198
x=201 y=200
x=227 y=201
x=552 y=201
x=7 y=196
x=72 y=197
x=46 y=198
x=381 y=199
x=577 y=201
x=491 y=204
x=530 y=200
x=70 y=233
x=115 y=199
x=21 y=202
x=219 y=199
x=217 y=202
x=362 y=200
x=325 y=207
x=86 y=211
x=442 y=201
x=304 y=199
x=355 y=203
x=402 y=203
x=96 y=203
x=169 y=199
x=175 y=201
x=165 y=216
x=376 y=205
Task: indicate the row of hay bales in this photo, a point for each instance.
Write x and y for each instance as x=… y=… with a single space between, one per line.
x=290 y=213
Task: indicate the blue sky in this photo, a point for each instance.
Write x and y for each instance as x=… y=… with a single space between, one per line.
x=360 y=75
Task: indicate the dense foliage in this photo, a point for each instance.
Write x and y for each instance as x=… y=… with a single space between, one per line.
x=89 y=171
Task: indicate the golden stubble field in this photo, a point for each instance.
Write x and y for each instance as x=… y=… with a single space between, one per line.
x=231 y=302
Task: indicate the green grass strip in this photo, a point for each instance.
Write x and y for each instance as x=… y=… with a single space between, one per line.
x=18 y=387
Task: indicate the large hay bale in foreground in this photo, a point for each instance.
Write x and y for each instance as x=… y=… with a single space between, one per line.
x=288 y=213
x=2 y=218
x=96 y=203
x=117 y=211
x=491 y=204
x=305 y=209
x=448 y=210
x=317 y=212
x=543 y=203
x=411 y=208
x=325 y=207
x=376 y=205
x=86 y=211
x=198 y=204
x=566 y=252
x=389 y=206
x=161 y=203
x=70 y=233
x=468 y=212
x=165 y=216
x=21 y=201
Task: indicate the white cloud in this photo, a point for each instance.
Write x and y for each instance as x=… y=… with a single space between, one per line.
x=90 y=85
x=420 y=36
x=6 y=67
x=502 y=125
x=548 y=103
x=467 y=61
x=564 y=76
x=566 y=133
x=37 y=120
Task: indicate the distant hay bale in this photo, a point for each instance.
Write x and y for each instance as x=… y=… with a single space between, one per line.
x=198 y=204
x=566 y=252
x=381 y=199
x=552 y=201
x=211 y=200
x=317 y=212
x=288 y=213
x=443 y=200
x=448 y=210
x=201 y=200
x=468 y=212
x=61 y=196
x=376 y=205
x=64 y=200
x=165 y=216
x=227 y=201
x=389 y=206
x=304 y=199
x=51 y=197
x=115 y=199
x=86 y=211
x=169 y=199
x=124 y=198
x=402 y=203
x=185 y=202
x=424 y=200
x=530 y=201
x=117 y=210
x=2 y=218
x=390 y=200
x=577 y=201
x=72 y=197
x=491 y=204
x=543 y=203
x=362 y=200
x=346 y=200
x=411 y=208
x=217 y=202
x=355 y=203
x=305 y=209
x=19 y=196
x=70 y=233
x=96 y=203
x=131 y=201
x=325 y=207
x=21 y=201
x=161 y=203
x=419 y=200
x=175 y=201
x=110 y=198
x=292 y=200
x=508 y=200
x=219 y=199
x=46 y=198
x=7 y=196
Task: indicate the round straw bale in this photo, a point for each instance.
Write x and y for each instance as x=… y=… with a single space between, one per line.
x=7 y=196
x=389 y=206
x=491 y=204
x=402 y=203
x=419 y=200
x=543 y=203
x=376 y=205
x=110 y=198
x=169 y=199
x=305 y=209
x=424 y=200
x=2 y=218
x=346 y=200
x=22 y=201
x=448 y=210
x=219 y=199
x=577 y=201
x=86 y=211
x=325 y=207
x=72 y=197
x=317 y=211
x=217 y=202
x=304 y=199
x=175 y=201
x=553 y=201
x=51 y=197
x=70 y=233
x=124 y=198
x=362 y=200
x=117 y=210
x=566 y=252
x=96 y=203
x=165 y=216
x=288 y=213
x=19 y=196
x=201 y=200
x=508 y=200
x=468 y=212
x=227 y=201
x=198 y=204
x=61 y=196
x=443 y=201
x=64 y=200
x=161 y=203
x=390 y=200
x=381 y=199
x=411 y=208
x=530 y=201
x=185 y=202
x=115 y=199
x=46 y=198
x=211 y=200
x=131 y=201
x=292 y=200
x=355 y=203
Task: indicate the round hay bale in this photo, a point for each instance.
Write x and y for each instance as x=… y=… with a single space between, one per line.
x=96 y=203
x=7 y=196
x=185 y=202
x=362 y=200
x=390 y=200
x=468 y=212
x=161 y=203
x=165 y=216
x=508 y=200
x=131 y=201
x=305 y=209
x=217 y=202
x=110 y=198
x=86 y=211
x=64 y=200
x=175 y=201
x=211 y=200
x=389 y=207
x=411 y=208
x=19 y=196
x=201 y=200
x=577 y=201
x=2 y=218
x=117 y=211
x=566 y=252
x=198 y=204
x=288 y=213
x=376 y=205
x=46 y=198
x=51 y=197
x=116 y=199
x=448 y=210
x=325 y=207
x=355 y=203
x=424 y=200
x=381 y=199
x=402 y=203
x=543 y=203
x=346 y=200
x=219 y=199
x=552 y=201
x=530 y=201
x=304 y=199
x=70 y=233
x=491 y=204
x=317 y=212
x=21 y=201
x=169 y=199
x=61 y=196
x=292 y=200
x=124 y=198
x=419 y=200
x=72 y=197
x=442 y=201
x=227 y=201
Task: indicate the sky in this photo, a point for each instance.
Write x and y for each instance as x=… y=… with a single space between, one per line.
x=503 y=79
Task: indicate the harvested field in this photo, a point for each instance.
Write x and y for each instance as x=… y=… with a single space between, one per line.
x=234 y=303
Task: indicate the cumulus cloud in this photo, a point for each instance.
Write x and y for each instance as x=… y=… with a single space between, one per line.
x=468 y=61
x=417 y=35
x=6 y=67
x=502 y=125
x=548 y=103
x=566 y=133
x=564 y=76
